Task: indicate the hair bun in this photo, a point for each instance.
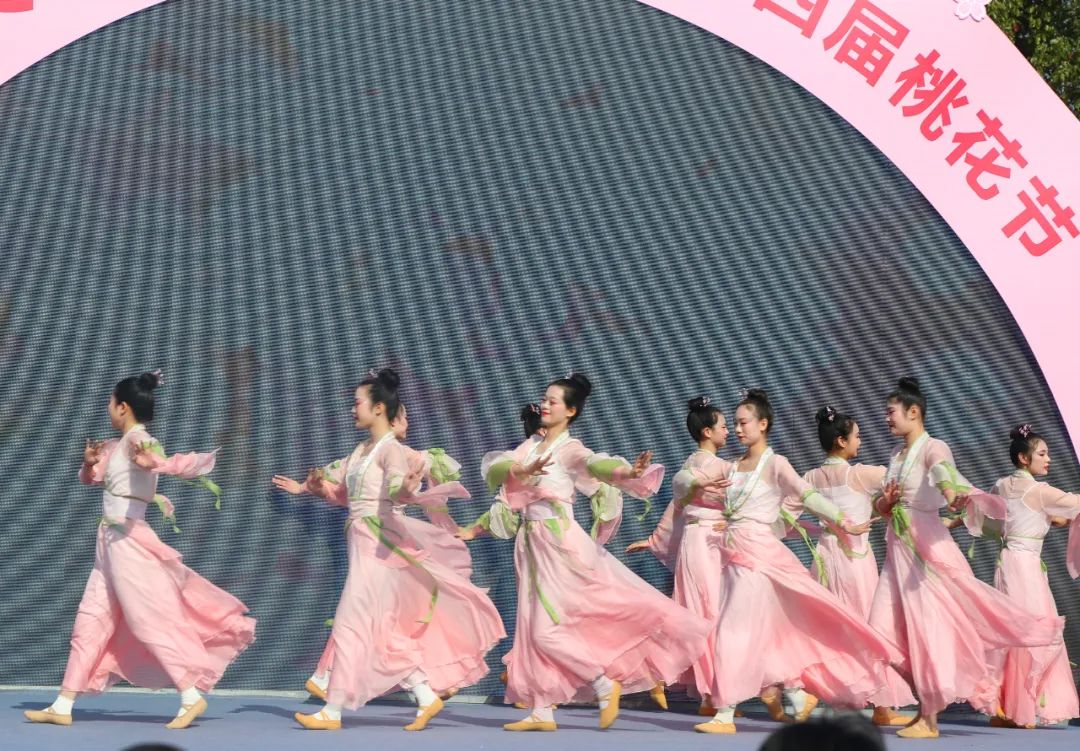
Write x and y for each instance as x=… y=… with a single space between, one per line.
x=389 y=378
x=909 y=384
x=758 y=394
x=1021 y=432
x=582 y=383
x=699 y=403
x=825 y=415
x=149 y=381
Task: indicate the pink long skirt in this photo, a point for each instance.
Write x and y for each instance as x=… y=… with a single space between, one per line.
x=944 y=622
x=582 y=615
x=401 y=614
x=148 y=619
x=778 y=625
x=1036 y=684
x=852 y=576
x=698 y=584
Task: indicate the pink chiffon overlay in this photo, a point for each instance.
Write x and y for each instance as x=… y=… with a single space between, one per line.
x=777 y=624
x=144 y=616
x=686 y=543
x=581 y=613
x=945 y=623
x=407 y=604
x=850 y=567
x=1035 y=684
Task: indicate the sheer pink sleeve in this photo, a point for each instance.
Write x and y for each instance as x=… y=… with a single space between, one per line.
x=689 y=483
x=185 y=466
x=95 y=475
x=937 y=452
x=981 y=507
x=867 y=478
x=416 y=461
x=396 y=466
x=495 y=466
x=616 y=471
x=798 y=493
x=435 y=497
x=665 y=539
x=334 y=493
x=1053 y=502
x=334 y=490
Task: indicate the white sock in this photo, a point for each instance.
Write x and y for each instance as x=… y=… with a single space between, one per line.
x=543 y=714
x=188 y=697
x=797 y=698
x=602 y=686
x=414 y=679
x=62 y=705
x=424 y=696
x=332 y=711
x=322 y=682
x=725 y=715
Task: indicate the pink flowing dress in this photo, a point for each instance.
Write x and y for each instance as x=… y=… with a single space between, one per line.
x=145 y=617
x=581 y=613
x=403 y=608
x=945 y=623
x=777 y=624
x=687 y=544
x=1036 y=684
x=435 y=537
x=845 y=563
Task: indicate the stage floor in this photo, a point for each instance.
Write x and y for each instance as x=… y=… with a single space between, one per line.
x=120 y=719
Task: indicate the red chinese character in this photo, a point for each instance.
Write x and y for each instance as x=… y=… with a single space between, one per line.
x=987 y=162
x=1062 y=217
x=932 y=86
x=868 y=33
x=804 y=22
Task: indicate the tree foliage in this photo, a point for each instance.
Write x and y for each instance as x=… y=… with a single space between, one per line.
x=1047 y=32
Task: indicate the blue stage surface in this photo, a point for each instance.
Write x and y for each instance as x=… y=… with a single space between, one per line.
x=120 y=719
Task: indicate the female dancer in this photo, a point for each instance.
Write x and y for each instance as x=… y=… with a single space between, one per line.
x=943 y=621
x=586 y=624
x=145 y=617
x=403 y=618
x=685 y=540
x=768 y=597
x=846 y=561
x=1036 y=684
x=503 y=522
x=439 y=472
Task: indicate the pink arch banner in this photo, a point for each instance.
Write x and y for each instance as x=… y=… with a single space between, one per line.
x=936 y=86
x=941 y=91
x=31 y=30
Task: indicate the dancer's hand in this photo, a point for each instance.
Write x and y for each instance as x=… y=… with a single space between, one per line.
x=411 y=482
x=315 y=482
x=717 y=486
x=535 y=468
x=855 y=529
x=289 y=485
x=1059 y=521
x=641 y=464
x=952 y=522
x=960 y=503
x=637 y=547
x=890 y=496
x=720 y=525
x=142 y=456
x=92 y=452
x=466 y=533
